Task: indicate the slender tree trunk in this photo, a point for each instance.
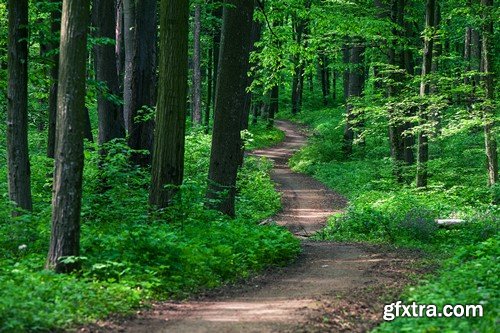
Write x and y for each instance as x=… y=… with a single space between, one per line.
x=55 y=27
x=334 y=85
x=17 y=107
x=129 y=35
x=355 y=89
x=423 y=148
x=346 y=54
x=196 y=115
x=209 y=89
x=143 y=85
x=489 y=112
x=216 y=40
x=67 y=188
x=110 y=113
x=324 y=79
x=119 y=45
x=273 y=105
x=226 y=139
x=168 y=157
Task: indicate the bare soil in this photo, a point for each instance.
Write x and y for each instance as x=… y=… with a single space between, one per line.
x=332 y=287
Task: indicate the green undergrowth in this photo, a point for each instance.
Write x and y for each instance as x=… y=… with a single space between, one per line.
x=130 y=255
x=381 y=210
x=260 y=136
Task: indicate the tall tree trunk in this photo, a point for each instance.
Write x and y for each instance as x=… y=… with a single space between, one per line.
x=17 y=107
x=346 y=54
x=143 y=85
x=299 y=26
x=334 y=85
x=423 y=148
x=209 y=89
x=119 y=46
x=168 y=157
x=67 y=188
x=489 y=112
x=355 y=89
x=129 y=36
x=55 y=27
x=196 y=115
x=273 y=105
x=226 y=139
x=324 y=78
x=216 y=40
x=110 y=113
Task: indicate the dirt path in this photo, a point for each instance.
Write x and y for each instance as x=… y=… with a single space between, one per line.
x=332 y=287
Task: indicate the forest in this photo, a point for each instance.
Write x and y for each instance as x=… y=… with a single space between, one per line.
x=249 y=165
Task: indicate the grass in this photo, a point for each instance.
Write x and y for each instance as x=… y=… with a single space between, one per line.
x=128 y=255
x=383 y=211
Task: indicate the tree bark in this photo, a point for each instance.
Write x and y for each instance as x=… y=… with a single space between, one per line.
x=196 y=116
x=17 y=107
x=143 y=81
x=273 y=105
x=67 y=188
x=489 y=86
x=55 y=27
x=129 y=35
x=110 y=113
x=230 y=94
x=119 y=46
x=168 y=157
x=355 y=88
x=423 y=148
x=208 y=107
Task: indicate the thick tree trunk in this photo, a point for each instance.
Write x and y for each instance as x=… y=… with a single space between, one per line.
x=55 y=27
x=196 y=115
x=168 y=157
x=355 y=88
x=230 y=94
x=423 y=148
x=67 y=188
x=143 y=81
x=489 y=86
x=110 y=113
x=17 y=107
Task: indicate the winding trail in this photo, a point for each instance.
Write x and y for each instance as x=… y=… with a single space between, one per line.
x=321 y=281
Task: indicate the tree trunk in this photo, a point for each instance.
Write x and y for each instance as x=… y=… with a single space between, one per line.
x=423 y=149
x=197 y=66
x=67 y=188
x=110 y=113
x=168 y=157
x=324 y=79
x=346 y=54
x=230 y=94
x=143 y=81
x=273 y=105
x=119 y=46
x=17 y=107
x=217 y=13
x=129 y=35
x=55 y=27
x=355 y=88
x=209 y=89
x=489 y=86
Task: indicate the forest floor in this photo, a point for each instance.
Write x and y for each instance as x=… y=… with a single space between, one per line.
x=337 y=287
